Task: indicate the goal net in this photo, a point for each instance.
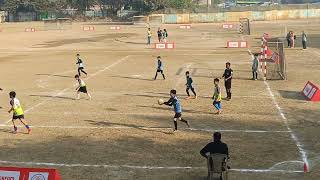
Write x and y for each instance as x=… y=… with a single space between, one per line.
x=57 y=24
x=276 y=62
x=244 y=27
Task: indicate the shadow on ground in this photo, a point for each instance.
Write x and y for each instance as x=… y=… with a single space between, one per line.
x=54 y=75
x=296 y=95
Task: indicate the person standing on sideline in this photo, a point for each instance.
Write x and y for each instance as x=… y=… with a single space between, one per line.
x=149 y=36
x=165 y=35
x=292 y=39
x=304 y=40
x=80 y=65
x=159 y=68
x=227 y=75
x=255 y=65
x=159 y=32
x=288 y=39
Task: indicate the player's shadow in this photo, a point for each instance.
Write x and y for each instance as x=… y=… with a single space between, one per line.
x=146 y=95
x=98 y=38
x=170 y=109
x=6 y=131
x=54 y=75
x=130 y=42
x=143 y=128
x=133 y=78
x=296 y=95
x=50 y=96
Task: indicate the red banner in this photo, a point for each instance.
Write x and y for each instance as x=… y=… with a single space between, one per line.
x=14 y=173
x=311 y=91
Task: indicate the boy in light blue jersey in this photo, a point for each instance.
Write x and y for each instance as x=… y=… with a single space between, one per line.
x=174 y=101
x=159 y=68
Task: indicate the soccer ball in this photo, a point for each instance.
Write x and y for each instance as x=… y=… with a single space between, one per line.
x=160 y=101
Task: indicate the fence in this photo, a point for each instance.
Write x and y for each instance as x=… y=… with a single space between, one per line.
x=235 y=16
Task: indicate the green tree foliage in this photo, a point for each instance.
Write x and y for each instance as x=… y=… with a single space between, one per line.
x=27 y=5
x=180 y=4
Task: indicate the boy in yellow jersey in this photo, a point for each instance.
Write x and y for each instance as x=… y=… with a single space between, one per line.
x=17 y=112
x=217 y=96
x=82 y=87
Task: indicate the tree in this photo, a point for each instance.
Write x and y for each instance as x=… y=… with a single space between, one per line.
x=180 y=4
x=27 y=5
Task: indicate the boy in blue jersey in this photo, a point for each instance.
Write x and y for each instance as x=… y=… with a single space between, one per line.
x=159 y=68
x=190 y=86
x=174 y=101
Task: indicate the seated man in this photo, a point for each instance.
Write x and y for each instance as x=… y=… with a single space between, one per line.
x=215 y=147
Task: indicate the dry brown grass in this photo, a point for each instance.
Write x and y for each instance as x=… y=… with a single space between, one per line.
x=40 y=67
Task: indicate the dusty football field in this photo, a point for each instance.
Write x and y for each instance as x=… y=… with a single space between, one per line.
x=122 y=133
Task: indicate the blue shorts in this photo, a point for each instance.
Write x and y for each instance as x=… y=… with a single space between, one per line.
x=217 y=104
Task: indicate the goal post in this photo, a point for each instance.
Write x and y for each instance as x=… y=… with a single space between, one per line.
x=57 y=24
x=244 y=27
x=276 y=61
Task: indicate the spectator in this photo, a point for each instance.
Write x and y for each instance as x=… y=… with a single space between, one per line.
x=255 y=65
x=292 y=38
x=159 y=32
x=149 y=36
x=288 y=39
x=304 y=40
x=217 y=146
x=165 y=35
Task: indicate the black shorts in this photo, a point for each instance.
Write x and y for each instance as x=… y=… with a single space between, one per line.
x=177 y=115
x=190 y=87
x=159 y=70
x=80 y=68
x=83 y=89
x=18 y=117
x=227 y=84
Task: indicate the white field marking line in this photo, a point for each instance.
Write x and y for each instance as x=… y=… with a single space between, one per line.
x=139 y=167
x=62 y=91
x=46 y=79
x=264 y=171
x=303 y=153
x=285 y=162
x=148 y=128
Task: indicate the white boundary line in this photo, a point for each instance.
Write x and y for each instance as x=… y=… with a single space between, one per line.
x=142 y=167
x=302 y=152
x=148 y=128
x=62 y=91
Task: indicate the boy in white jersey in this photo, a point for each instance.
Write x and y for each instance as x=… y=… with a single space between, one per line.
x=17 y=112
x=82 y=88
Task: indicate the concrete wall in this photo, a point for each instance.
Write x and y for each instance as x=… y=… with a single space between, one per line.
x=234 y=16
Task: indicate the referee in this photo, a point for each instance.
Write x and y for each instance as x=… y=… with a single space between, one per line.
x=227 y=75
